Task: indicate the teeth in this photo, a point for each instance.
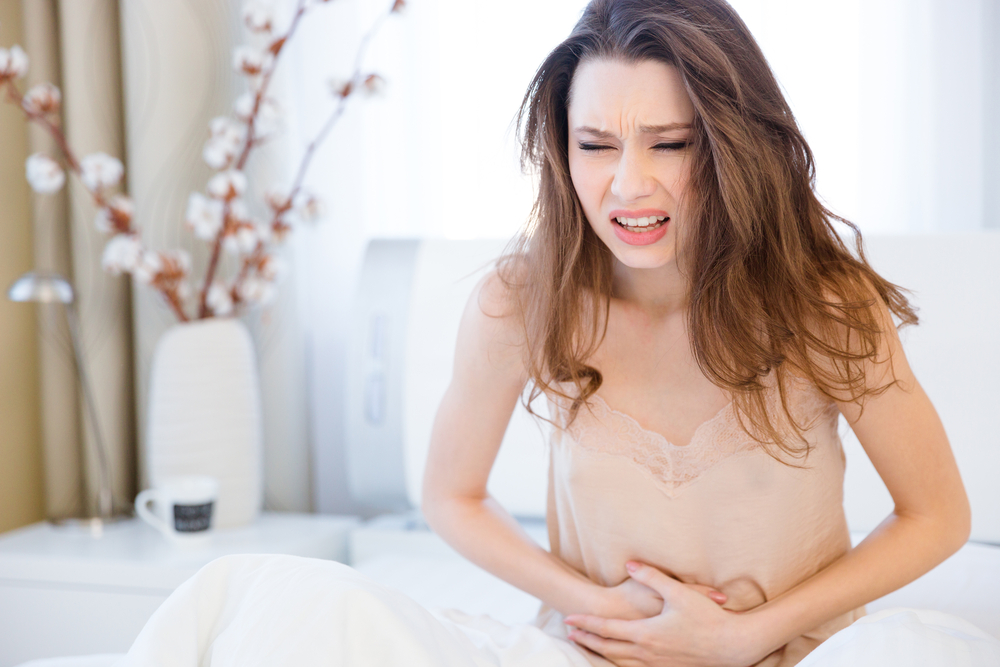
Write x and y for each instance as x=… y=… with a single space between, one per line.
x=641 y=224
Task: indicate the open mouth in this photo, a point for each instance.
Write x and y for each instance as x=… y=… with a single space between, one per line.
x=642 y=225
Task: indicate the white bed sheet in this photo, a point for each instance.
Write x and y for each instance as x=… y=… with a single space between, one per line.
x=967 y=585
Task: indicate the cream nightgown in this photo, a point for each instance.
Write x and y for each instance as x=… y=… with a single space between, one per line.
x=718 y=511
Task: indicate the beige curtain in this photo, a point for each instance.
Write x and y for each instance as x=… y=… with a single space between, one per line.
x=74 y=44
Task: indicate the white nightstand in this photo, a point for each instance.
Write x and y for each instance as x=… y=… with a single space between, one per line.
x=63 y=592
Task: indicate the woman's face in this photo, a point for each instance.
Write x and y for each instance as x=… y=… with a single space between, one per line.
x=629 y=125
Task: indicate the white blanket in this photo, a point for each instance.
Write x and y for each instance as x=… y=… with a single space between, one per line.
x=245 y=611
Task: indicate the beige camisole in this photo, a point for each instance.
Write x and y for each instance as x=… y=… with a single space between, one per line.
x=718 y=511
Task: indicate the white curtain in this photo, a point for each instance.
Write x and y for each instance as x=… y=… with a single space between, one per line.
x=898 y=99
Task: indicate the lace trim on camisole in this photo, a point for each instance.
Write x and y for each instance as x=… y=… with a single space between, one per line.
x=600 y=428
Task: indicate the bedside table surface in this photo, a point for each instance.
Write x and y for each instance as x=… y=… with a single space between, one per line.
x=131 y=554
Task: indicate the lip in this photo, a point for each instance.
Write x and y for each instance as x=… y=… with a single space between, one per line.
x=640 y=213
x=639 y=238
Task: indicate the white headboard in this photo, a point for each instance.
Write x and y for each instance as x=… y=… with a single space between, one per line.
x=406 y=321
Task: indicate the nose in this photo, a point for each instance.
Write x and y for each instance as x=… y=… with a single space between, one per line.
x=633 y=179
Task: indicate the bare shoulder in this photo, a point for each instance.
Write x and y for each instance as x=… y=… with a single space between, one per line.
x=491 y=337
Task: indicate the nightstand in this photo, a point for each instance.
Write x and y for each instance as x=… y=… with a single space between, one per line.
x=64 y=592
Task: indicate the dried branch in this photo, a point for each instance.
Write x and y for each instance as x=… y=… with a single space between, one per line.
x=355 y=83
x=249 y=143
x=169 y=292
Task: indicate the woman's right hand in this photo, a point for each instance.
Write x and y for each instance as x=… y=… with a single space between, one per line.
x=631 y=600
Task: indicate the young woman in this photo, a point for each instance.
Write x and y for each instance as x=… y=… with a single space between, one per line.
x=685 y=304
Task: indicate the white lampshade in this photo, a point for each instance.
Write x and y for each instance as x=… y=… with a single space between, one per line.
x=42 y=288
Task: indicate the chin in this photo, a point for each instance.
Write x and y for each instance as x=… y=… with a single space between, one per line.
x=644 y=257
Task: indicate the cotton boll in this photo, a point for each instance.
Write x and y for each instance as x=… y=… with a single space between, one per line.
x=238 y=212
x=250 y=61
x=271 y=268
x=13 y=63
x=243 y=106
x=180 y=261
x=264 y=232
x=99 y=171
x=307 y=206
x=277 y=200
x=242 y=242
x=226 y=130
x=258 y=18
x=116 y=216
x=44 y=174
x=204 y=216
x=256 y=291
x=341 y=87
x=216 y=155
x=122 y=254
x=42 y=99
x=374 y=84
x=225 y=141
x=228 y=184
x=219 y=299
x=148 y=268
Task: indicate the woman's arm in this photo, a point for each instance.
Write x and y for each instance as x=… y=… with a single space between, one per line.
x=489 y=376
x=905 y=440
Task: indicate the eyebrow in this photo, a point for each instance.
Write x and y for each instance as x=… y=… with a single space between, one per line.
x=643 y=129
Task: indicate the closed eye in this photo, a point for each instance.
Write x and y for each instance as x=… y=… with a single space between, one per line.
x=594 y=148
x=671 y=146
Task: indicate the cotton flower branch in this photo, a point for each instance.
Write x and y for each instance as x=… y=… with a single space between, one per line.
x=221 y=216
x=296 y=200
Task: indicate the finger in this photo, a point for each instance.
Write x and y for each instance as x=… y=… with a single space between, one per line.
x=610 y=628
x=612 y=649
x=710 y=593
x=666 y=586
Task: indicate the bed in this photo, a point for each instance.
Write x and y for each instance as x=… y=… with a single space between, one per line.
x=406 y=320
x=410 y=298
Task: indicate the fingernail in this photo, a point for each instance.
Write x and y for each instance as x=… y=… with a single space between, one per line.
x=631 y=566
x=717 y=596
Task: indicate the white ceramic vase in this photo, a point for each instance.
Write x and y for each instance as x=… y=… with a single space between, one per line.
x=205 y=414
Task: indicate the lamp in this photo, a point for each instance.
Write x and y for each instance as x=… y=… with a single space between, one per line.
x=45 y=287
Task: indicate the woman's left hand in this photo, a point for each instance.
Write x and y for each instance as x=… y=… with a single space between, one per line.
x=691 y=629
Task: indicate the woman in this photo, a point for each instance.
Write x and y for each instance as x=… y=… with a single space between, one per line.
x=680 y=268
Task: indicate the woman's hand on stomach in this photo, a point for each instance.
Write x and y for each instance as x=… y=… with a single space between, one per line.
x=684 y=630
x=631 y=600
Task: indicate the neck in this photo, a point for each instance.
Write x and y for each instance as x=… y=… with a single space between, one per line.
x=661 y=292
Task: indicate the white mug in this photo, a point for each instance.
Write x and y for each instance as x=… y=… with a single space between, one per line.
x=182 y=506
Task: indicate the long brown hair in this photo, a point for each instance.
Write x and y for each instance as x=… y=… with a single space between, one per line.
x=772 y=284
